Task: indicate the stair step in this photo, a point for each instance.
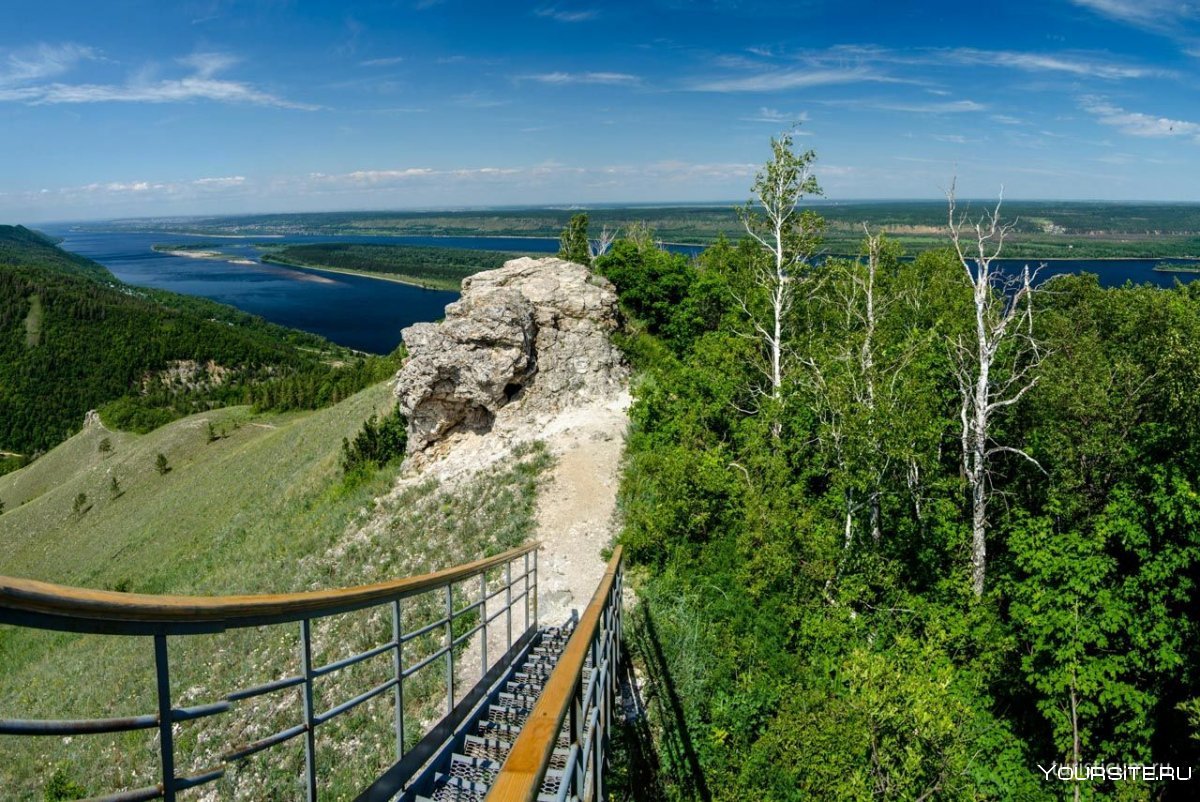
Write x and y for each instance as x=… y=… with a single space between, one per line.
x=480 y=770
x=517 y=700
x=524 y=687
x=483 y=747
x=453 y=789
x=500 y=714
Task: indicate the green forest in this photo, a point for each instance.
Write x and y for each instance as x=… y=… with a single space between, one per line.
x=74 y=338
x=433 y=268
x=903 y=529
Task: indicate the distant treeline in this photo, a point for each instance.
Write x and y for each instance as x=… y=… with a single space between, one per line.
x=74 y=338
x=435 y=268
x=1043 y=228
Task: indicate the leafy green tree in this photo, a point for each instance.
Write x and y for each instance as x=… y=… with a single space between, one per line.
x=161 y=465
x=573 y=243
x=79 y=506
x=105 y=446
x=788 y=238
x=114 y=488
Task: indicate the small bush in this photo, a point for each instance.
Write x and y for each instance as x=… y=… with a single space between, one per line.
x=379 y=442
x=60 y=787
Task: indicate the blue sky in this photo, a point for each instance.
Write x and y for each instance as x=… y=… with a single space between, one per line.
x=131 y=108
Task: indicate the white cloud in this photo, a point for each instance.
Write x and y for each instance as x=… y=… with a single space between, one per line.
x=1138 y=124
x=947 y=107
x=564 y=15
x=226 y=181
x=1154 y=15
x=41 y=62
x=23 y=74
x=601 y=78
x=381 y=62
x=776 y=117
x=778 y=80
x=955 y=139
x=1043 y=62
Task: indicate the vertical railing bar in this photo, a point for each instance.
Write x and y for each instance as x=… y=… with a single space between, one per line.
x=535 y=587
x=577 y=721
x=508 y=603
x=450 y=648
x=310 y=735
x=525 y=598
x=166 y=736
x=398 y=661
x=483 y=661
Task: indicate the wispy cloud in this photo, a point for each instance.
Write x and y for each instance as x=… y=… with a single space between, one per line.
x=779 y=80
x=601 y=78
x=381 y=62
x=1079 y=65
x=221 y=182
x=201 y=84
x=776 y=117
x=566 y=15
x=40 y=62
x=1138 y=124
x=1161 y=16
x=947 y=107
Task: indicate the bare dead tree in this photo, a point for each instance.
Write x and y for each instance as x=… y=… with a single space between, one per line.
x=598 y=247
x=994 y=365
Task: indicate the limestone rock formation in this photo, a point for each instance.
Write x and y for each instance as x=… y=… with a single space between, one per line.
x=531 y=337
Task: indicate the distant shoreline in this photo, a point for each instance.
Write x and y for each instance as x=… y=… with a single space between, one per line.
x=362 y=273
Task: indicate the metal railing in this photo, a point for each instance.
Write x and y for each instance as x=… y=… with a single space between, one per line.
x=580 y=694
x=55 y=607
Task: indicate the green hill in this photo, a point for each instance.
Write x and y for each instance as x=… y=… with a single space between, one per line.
x=263 y=507
x=74 y=338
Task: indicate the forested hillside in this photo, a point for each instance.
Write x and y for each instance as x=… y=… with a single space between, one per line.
x=74 y=338
x=848 y=589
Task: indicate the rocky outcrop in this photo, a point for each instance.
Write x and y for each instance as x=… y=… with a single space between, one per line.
x=529 y=338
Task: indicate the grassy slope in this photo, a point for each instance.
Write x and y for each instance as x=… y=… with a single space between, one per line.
x=262 y=509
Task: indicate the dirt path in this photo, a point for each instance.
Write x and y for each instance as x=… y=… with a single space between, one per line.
x=576 y=513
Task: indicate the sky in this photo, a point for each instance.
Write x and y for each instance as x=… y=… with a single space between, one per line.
x=132 y=108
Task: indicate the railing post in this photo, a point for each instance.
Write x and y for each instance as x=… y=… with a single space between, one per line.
x=398 y=660
x=483 y=617
x=508 y=602
x=535 y=587
x=166 y=736
x=310 y=735
x=449 y=648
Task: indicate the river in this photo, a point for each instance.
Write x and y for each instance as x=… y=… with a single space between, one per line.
x=368 y=314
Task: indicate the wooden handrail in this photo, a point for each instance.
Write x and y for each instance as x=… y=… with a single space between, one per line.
x=521 y=776
x=61 y=606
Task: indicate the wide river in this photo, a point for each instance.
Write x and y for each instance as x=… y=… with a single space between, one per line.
x=367 y=313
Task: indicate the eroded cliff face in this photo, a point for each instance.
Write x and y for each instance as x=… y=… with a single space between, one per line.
x=524 y=342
